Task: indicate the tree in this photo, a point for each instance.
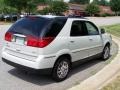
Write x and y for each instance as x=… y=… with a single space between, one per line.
x=115 y=6
x=45 y=11
x=4 y=9
x=96 y=2
x=92 y=9
x=101 y=2
x=30 y=7
x=58 y=7
x=55 y=7
x=1 y=6
x=41 y=1
x=80 y=1
x=46 y=1
x=18 y=4
x=23 y=5
x=104 y=2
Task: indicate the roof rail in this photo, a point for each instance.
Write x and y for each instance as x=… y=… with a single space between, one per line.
x=76 y=16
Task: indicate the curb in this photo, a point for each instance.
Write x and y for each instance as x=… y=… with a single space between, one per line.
x=96 y=81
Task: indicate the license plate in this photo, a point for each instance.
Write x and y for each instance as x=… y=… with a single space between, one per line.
x=20 y=40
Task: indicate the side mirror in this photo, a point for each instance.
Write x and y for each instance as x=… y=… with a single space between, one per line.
x=102 y=30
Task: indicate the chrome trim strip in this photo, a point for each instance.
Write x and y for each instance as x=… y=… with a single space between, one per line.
x=21 y=53
x=21 y=57
x=85 y=49
x=50 y=57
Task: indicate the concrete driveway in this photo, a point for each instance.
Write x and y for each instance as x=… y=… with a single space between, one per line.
x=13 y=79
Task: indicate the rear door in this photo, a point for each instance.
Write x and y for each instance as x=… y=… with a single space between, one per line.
x=79 y=41
x=95 y=41
x=30 y=27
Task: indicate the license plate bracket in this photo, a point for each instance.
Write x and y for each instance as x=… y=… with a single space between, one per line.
x=20 y=40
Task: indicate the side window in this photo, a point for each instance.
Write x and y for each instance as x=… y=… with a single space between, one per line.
x=78 y=29
x=55 y=27
x=92 y=29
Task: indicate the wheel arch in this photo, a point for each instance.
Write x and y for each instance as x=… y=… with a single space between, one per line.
x=107 y=44
x=64 y=55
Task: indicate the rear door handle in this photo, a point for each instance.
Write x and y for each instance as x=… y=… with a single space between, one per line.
x=90 y=39
x=72 y=41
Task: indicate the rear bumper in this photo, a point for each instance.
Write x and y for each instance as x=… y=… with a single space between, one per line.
x=41 y=62
x=41 y=71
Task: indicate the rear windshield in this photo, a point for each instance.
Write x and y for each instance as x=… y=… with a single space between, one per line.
x=55 y=27
x=30 y=26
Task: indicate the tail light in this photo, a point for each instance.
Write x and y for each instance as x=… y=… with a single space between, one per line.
x=8 y=36
x=40 y=43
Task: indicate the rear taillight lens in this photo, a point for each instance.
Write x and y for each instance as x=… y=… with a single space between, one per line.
x=40 y=43
x=8 y=36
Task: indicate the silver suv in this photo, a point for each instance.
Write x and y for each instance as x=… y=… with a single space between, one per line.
x=53 y=44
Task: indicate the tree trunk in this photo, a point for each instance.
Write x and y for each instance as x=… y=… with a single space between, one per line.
x=116 y=13
x=18 y=14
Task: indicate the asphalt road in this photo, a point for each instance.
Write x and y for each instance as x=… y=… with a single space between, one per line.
x=13 y=79
x=101 y=21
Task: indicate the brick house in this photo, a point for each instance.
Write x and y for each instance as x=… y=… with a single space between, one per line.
x=105 y=9
x=74 y=9
x=77 y=9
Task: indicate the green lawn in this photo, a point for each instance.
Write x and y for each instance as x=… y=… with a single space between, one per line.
x=115 y=84
x=113 y=29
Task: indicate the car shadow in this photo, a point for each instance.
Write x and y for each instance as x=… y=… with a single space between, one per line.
x=34 y=78
x=38 y=79
x=85 y=65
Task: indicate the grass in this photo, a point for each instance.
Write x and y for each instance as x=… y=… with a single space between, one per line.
x=113 y=29
x=115 y=84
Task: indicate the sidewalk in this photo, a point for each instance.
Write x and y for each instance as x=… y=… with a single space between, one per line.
x=5 y=23
x=98 y=80
x=1 y=23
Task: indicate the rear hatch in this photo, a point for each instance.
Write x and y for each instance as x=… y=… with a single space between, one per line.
x=22 y=38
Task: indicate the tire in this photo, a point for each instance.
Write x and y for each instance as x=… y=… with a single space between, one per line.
x=61 y=69
x=106 y=52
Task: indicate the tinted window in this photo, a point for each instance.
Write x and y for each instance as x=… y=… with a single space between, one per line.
x=30 y=26
x=92 y=29
x=78 y=29
x=55 y=27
